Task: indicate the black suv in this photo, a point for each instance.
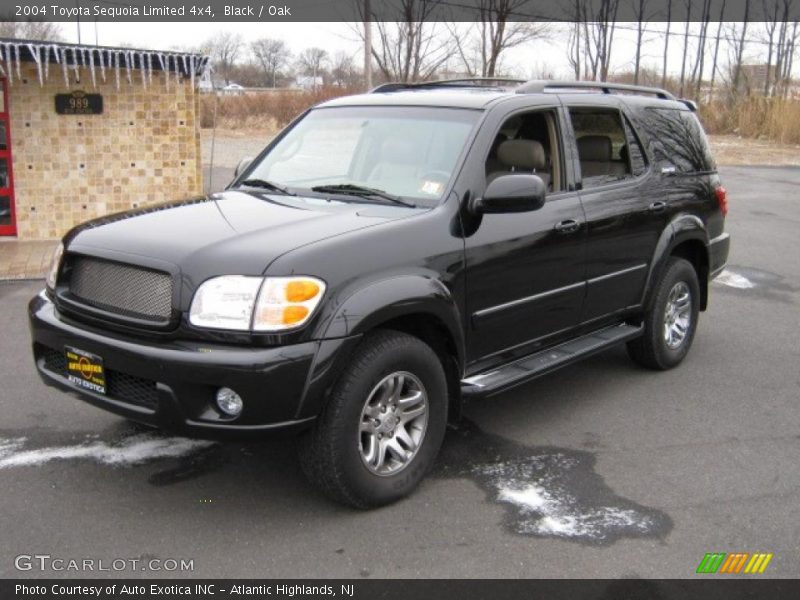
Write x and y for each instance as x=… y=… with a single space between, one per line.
x=387 y=256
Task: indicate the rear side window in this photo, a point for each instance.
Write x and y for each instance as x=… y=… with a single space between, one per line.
x=602 y=145
x=678 y=140
x=634 y=150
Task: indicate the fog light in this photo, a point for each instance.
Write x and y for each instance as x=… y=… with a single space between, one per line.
x=229 y=401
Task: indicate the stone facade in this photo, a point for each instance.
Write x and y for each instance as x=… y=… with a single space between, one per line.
x=144 y=149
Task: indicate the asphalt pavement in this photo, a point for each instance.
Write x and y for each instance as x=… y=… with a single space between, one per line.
x=599 y=470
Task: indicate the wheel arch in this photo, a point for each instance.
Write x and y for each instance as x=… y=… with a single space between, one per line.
x=412 y=304
x=685 y=237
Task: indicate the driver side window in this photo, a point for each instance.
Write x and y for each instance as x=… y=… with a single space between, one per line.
x=527 y=143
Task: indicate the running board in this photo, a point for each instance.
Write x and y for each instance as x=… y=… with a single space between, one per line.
x=545 y=361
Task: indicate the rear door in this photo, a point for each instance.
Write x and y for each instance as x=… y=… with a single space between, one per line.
x=623 y=217
x=525 y=271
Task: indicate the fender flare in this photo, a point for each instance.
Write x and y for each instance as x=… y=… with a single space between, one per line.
x=395 y=297
x=682 y=228
x=365 y=309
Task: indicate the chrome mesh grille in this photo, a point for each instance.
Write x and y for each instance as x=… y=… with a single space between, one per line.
x=122 y=289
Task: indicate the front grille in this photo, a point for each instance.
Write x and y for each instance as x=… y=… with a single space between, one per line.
x=126 y=290
x=119 y=386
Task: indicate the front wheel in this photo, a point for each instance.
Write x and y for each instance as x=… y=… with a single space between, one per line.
x=670 y=324
x=382 y=425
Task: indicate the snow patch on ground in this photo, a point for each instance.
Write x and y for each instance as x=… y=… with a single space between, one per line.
x=734 y=280
x=133 y=450
x=539 y=488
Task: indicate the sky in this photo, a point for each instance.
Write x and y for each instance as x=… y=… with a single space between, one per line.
x=534 y=59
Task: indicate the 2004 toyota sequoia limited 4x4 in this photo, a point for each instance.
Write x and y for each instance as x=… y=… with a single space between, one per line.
x=384 y=258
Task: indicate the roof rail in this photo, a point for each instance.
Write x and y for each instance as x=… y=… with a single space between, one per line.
x=535 y=86
x=477 y=82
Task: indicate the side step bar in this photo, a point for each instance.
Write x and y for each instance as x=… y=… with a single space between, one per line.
x=540 y=363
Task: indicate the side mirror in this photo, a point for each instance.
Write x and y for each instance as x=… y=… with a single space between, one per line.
x=515 y=192
x=243 y=164
x=512 y=193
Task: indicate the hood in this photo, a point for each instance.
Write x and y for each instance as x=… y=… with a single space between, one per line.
x=232 y=232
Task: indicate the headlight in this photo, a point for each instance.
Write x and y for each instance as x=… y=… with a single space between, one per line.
x=55 y=263
x=286 y=302
x=225 y=302
x=241 y=303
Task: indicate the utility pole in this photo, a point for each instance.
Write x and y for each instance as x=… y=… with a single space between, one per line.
x=367 y=44
x=78 y=19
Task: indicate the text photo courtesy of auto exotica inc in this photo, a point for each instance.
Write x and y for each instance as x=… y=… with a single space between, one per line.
x=379 y=298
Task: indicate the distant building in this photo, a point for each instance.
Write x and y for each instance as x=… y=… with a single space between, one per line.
x=308 y=82
x=754 y=77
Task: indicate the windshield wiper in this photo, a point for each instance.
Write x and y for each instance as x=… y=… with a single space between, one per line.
x=268 y=185
x=359 y=190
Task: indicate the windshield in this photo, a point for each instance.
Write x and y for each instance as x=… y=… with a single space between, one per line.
x=408 y=152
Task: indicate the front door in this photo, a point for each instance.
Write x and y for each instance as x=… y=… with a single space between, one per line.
x=525 y=271
x=8 y=223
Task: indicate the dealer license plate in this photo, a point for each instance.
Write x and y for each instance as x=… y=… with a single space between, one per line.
x=85 y=370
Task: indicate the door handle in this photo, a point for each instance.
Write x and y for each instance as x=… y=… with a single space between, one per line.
x=657 y=206
x=568 y=226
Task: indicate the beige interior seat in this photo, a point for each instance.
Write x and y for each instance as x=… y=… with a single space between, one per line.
x=522 y=156
x=595 y=152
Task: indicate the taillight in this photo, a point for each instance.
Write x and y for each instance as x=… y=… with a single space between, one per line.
x=722 y=199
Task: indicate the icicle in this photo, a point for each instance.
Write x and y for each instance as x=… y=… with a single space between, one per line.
x=37 y=59
x=2 y=55
x=163 y=68
x=62 y=58
x=128 y=60
x=16 y=59
x=101 y=55
x=149 y=68
x=91 y=68
x=9 y=66
x=115 y=60
x=142 y=71
x=47 y=62
x=191 y=70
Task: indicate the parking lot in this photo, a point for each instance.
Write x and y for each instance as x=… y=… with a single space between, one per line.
x=600 y=470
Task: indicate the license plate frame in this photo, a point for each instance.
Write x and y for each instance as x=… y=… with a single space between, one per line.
x=85 y=370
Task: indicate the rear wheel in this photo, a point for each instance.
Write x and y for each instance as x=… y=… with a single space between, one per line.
x=670 y=324
x=383 y=424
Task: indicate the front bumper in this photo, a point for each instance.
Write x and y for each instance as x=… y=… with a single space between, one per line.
x=172 y=385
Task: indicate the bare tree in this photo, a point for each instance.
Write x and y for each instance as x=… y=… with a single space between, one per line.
x=344 y=72
x=493 y=33
x=666 y=44
x=272 y=55
x=312 y=61
x=714 y=65
x=224 y=49
x=411 y=48
x=699 y=63
x=688 y=4
x=592 y=36
x=31 y=30
x=639 y=7
x=740 y=40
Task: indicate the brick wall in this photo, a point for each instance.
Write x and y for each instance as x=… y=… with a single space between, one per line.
x=144 y=149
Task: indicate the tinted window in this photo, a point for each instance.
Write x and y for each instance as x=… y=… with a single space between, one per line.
x=634 y=150
x=602 y=145
x=678 y=140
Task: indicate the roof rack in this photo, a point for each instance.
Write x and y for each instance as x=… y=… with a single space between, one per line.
x=535 y=86
x=475 y=82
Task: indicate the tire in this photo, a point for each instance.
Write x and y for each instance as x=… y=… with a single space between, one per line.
x=653 y=349
x=341 y=455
